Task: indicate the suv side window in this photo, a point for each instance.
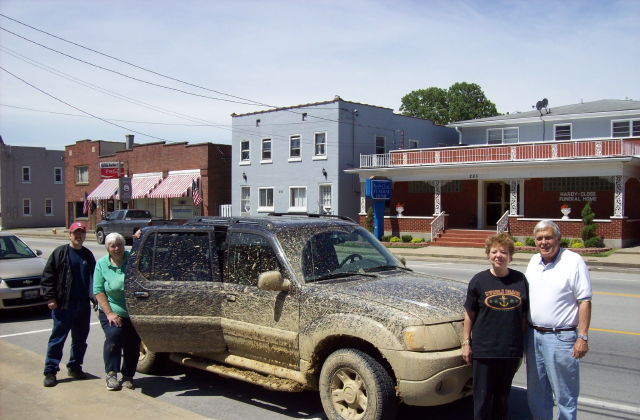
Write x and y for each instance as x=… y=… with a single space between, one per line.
x=179 y=256
x=250 y=255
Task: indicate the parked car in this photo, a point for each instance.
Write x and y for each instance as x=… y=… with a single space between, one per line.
x=126 y=222
x=298 y=302
x=20 y=272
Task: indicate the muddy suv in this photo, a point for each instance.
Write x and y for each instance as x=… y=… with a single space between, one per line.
x=298 y=302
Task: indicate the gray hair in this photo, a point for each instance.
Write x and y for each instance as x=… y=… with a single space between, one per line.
x=546 y=224
x=113 y=237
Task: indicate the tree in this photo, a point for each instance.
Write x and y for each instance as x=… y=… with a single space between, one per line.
x=588 y=232
x=462 y=101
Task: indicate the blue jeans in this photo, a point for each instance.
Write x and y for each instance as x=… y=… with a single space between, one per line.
x=552 y=370
x=76 y=320
x=120 y=343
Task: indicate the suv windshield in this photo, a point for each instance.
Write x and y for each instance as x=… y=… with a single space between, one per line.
x=329 y=252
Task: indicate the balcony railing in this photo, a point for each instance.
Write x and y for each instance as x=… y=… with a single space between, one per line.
x=573 y=149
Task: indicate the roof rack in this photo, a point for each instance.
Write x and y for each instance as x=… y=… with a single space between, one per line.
x=335 y=216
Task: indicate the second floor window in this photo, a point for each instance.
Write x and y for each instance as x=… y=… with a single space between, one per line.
x=502 y=135
x=26 y=207
x=57 y=175
x=245 y=153
x=626 y=128
x=413 y=144
x=26 y=174
x=380 y=147
x=294 y=147
x=320 y=142
x=562 y=132
x=82 y=174
x=266 y=149
x=48 y=207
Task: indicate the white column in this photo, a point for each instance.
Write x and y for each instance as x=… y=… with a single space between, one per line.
x=513 y=196
x=363 y=200
x=437 y=197
x=618 y=196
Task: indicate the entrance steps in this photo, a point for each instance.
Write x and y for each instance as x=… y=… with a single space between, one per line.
x=470 y=238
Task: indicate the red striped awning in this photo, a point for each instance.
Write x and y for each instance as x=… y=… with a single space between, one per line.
x=105 y=191
x=142 y=185
x=174 y=185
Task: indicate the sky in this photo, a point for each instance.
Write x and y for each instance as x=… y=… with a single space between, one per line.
x=237 y=56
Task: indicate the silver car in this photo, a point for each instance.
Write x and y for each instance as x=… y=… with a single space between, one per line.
x=20 y=273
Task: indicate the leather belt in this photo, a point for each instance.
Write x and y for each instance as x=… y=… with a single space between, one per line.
x=547 y=330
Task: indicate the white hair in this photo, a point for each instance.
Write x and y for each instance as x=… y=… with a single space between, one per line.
x=113 y=237
x=545 y=224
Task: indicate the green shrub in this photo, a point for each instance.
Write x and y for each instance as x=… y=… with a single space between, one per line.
x=518 y=243
x=530 y=242
x=368 y=220
x=407 y=238
x=417 y=240
x=575 y=244
x=594 y=242
x=564 y=243
x=385 y=238
x=394 y=239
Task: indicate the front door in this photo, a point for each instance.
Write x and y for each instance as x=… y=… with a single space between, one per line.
x=497 y=202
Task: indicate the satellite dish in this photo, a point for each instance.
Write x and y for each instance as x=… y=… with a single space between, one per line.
x=545 y=102
x=539 y=105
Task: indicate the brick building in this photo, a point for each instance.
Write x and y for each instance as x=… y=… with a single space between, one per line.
x=162 y=177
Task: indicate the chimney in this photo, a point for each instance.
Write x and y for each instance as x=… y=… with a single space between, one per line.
x=129 y=141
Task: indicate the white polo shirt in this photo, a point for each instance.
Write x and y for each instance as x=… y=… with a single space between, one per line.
x=556 y=288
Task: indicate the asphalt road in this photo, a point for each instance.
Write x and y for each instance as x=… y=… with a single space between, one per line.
x=610 y=374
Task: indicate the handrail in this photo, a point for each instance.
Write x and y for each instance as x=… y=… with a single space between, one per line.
x=503 y=223
x=437 y=226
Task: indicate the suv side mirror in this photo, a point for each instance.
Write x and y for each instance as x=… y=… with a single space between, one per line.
x=272 y=280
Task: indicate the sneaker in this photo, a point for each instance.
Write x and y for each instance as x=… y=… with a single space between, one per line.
x=50 y=380
x=127 y=382
x=112 y=382
x=76 y=373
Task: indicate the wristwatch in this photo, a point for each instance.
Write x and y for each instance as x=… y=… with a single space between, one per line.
x=584 y=337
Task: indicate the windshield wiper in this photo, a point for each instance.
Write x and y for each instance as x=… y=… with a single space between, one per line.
x=342 y=275
x=387 y=267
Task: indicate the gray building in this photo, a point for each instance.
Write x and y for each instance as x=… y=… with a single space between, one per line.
x=31 y=187
x=293 y=159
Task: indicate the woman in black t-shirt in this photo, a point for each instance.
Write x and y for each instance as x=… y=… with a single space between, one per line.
x=494 y=325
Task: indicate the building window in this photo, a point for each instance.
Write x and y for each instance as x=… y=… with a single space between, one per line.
x=417 y=187
x=320 y=142
x=26 y=174
x=588 y=183
x=26 y=207
x=625 y=128
x=294 y=147
x=266 y=150
x=266 y=199
x=245 y=200
x=82 y=174
x=57 y=176
x=48 y=207
x=502 y=135
x=380 y=146
x=297 y=198
x=413 y=144
x=562 y=131
x=245 y=153
x=324 y=199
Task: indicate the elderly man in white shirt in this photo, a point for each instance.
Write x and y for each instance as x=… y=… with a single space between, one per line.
x=559 y=317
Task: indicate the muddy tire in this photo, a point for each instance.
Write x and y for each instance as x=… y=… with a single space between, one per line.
x=355 y=386
x=100 y=236
x=150 y=362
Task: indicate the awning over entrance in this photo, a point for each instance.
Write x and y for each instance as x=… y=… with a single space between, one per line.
x=143 y=184
x=176 y=184
x=105 y=191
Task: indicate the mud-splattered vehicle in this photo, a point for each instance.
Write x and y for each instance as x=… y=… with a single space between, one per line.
x=298 y=302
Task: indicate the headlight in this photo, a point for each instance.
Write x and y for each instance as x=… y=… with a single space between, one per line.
x=431 y=337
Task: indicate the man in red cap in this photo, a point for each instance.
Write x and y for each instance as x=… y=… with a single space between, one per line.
x=66 y=283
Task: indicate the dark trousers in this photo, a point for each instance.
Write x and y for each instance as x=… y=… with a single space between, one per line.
x=120 y=344
x=76 y=320
x=491 y=386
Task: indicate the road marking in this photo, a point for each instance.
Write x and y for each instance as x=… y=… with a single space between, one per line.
x=632 y=295
x=35 y=332
x=592 y=402
x=613 y=331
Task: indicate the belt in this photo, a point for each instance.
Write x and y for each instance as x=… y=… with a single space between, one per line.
x=547 y=330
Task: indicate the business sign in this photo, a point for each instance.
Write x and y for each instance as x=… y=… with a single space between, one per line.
x=111 y=170
x=124 y=189
x=378 y=189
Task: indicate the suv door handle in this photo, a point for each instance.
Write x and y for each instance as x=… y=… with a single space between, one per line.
x=141 y=294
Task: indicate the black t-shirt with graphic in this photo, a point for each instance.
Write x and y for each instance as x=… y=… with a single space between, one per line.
x=501 y=305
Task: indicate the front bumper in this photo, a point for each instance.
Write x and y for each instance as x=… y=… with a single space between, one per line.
x=21 y=297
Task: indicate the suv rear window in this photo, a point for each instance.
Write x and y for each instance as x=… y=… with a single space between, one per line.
x=139 y=214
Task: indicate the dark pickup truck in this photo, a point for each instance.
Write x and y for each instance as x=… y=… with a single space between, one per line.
x=127 y=222
x=298 y=302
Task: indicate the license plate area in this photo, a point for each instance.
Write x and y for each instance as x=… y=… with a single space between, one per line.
x=31 y=294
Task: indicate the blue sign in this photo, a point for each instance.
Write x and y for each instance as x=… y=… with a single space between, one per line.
x=378 y=189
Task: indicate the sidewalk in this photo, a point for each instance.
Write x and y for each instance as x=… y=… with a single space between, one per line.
x=622 y=259
x=23 y=396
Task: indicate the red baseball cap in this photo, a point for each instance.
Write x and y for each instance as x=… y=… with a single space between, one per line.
x=77 y=226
